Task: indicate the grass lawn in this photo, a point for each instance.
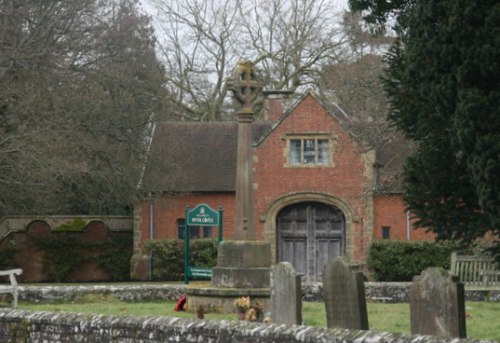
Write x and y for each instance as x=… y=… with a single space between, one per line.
x=483 y=318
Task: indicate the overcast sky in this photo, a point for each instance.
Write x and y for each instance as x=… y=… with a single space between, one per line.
x=148 y=7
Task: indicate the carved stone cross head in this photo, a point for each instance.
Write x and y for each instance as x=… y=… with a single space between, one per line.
x=244 y=83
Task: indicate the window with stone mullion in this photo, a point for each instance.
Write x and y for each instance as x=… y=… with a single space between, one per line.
x=306 y=151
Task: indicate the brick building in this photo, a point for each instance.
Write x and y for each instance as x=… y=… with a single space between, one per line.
x=318 y=191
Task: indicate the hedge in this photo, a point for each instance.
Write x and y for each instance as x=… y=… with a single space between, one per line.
x=168 y=257
x=391 y=260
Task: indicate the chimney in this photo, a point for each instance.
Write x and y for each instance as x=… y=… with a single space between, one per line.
x=277 y=102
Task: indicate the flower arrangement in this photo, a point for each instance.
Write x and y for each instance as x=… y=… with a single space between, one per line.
x=249 y=312
x=242 y=304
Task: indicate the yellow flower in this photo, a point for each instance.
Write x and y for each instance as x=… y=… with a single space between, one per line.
x=251 y=315
x=242 y=304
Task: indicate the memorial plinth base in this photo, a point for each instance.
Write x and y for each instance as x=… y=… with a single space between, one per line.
x=221 y=300
x=243 y=269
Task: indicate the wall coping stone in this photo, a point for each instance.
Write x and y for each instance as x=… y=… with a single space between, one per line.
x=20 y=223
x=22 y=325
x=126 y=292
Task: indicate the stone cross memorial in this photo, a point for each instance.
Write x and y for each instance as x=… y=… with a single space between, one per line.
x=286 y=295
x=344 y=293
x=245 y=86
x=243 y=262
x=437 y=305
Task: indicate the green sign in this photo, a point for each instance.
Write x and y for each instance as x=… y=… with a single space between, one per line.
x=200 y=272
x=202 y=215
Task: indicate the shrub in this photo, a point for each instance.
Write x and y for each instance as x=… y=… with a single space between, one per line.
x=168 y=257
x=203 y=253
x=401 y=260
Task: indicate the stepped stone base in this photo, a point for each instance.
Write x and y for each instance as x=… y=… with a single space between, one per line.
x=242 y=264
x=241 y=277
x=243 y=269
x=221 y=300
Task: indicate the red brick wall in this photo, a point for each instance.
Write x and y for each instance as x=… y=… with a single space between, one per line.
x=345 y=179
x=390 y=211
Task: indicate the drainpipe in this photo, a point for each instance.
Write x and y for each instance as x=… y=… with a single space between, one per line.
x=408 y=225
x=151 y=234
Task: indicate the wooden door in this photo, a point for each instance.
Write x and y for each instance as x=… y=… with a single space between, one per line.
x=309 y=234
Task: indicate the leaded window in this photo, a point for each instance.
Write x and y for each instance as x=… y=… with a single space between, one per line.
x=309 y=151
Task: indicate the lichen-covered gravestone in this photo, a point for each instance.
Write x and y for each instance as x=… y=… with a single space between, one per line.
x=286 y=295
x=344 y=293
x=437 y=304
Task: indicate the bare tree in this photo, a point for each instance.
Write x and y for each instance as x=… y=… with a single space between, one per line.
x=201 y=41
x=79 y=81
x=355 y=83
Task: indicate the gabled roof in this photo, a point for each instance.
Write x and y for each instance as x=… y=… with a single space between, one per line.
x=333 y=110
x=194 y=157
x=201 y=156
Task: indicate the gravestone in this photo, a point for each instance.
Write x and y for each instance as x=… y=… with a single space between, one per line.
x=437 y=305
x=344 y=294
x=286 y=295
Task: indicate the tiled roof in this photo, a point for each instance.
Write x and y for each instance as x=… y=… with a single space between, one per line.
x=194 y=157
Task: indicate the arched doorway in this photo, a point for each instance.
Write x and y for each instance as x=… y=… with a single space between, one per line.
x=308 y=235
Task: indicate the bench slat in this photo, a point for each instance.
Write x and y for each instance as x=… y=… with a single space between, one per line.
x=12 y=288
x=475 y=271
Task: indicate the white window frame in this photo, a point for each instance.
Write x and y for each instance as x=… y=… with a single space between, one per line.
x=303 y=160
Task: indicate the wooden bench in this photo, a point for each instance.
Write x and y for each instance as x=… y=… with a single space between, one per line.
x=476 y=272
x=12 y=288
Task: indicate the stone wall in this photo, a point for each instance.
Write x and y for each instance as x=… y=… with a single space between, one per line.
x=389 y=292
x=25 y=326
x=142 y=292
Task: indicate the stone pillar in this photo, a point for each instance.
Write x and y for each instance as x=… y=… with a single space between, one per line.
x=245 y=86
x=244 y=224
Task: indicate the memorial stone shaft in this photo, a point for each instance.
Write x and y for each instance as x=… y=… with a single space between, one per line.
x=245 y=86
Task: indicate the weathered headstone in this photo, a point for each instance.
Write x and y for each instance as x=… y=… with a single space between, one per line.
x=344 y=293
x=286 y=295
x=437 y=305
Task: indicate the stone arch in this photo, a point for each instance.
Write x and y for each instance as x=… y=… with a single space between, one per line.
x=280 y=203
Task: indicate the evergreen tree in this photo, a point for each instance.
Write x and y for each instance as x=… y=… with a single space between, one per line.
x=443 y=83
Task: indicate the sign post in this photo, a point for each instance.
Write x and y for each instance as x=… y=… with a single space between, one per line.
x=201 y=215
